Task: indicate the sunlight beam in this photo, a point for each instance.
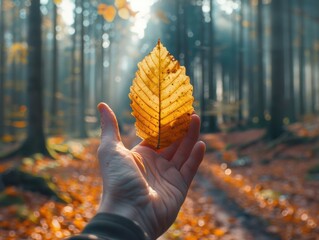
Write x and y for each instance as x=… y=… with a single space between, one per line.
x=142 y=17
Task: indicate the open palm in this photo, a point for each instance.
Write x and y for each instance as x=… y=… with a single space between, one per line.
x=142 y=184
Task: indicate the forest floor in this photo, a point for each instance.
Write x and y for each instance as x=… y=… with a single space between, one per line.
x=246 y=188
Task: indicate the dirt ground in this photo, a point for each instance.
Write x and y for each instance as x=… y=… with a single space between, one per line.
x=251 y=192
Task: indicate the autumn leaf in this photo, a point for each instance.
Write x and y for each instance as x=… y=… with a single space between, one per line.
x=161 y=98
x=107 y=11
x=101 y=8
x=109 y=14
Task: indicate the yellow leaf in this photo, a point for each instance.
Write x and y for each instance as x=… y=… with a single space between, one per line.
x=161 y=98
x=101 y=8
x=109 y=14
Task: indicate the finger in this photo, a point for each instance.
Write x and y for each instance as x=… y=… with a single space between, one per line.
x=169 y=151
x=190 y=167
x=109 y=125
x=188 y=142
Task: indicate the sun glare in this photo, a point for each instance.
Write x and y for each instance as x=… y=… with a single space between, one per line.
x=67 y=12
x=142 y=17
x=228 y=6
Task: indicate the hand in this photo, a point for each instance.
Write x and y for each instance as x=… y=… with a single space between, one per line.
x=142 y=184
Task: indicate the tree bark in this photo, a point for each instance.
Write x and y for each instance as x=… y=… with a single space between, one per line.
x=277 y=62
x=301 y=60
x=208 y=80
x=251 y=62
x=35 y=141
x=260 y=63
x=73 y=103
x=211 y=60
x=83 y=132
x=314 y=81
x=2 y=69
x=292 y=105
x=54 y=103
x=240 y=62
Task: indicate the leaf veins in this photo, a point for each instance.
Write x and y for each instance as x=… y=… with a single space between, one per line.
x=161 y=98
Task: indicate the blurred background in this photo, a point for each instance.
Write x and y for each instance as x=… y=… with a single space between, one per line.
x=235 y=52
x=254 y=66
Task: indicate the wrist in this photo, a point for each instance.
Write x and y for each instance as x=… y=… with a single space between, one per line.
x=124 y=210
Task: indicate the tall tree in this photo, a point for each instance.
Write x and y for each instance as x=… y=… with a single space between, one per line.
x=74 y=74
x=2 y=68
x=100 y=59
x=314 y=80
x=290 y=62
x=240 y=62
x=277 y=69
x=54 y=102
x=252 y=86
x=203 y=97
x=260 y=64
x=301 y=58
x=208 y=85
x=211 y=59
x=83 y=132
x=35 y=140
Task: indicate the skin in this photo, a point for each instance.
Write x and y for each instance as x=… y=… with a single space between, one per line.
x=142 y=184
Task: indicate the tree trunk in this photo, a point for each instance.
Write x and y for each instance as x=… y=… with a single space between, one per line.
x=313 y=66
x=99 y=66
x=251 y=62
x=13 y=74
x=103 y=75
x=203 y=103
x=260 y=63
x=109 y=80
x=35 y=141
x=240 y=62
x=290 y=56
x=233 y=70
x=212 y=120
x=74 y=74
x=301 y=60
x=83 y=132
x=317 y=71
x=277 y=62
x=54 y=103
x=208 y=81
x=2 y=69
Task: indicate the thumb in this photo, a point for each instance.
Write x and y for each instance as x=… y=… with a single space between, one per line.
x=109 y=125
